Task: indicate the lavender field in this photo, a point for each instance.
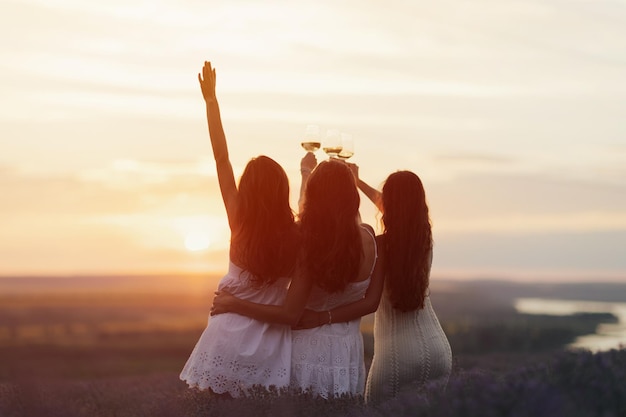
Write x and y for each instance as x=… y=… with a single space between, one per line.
x=104 y=350
x=567 y=384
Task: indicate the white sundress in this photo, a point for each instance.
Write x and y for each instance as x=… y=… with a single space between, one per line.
x=235 y=352
x=328 y=361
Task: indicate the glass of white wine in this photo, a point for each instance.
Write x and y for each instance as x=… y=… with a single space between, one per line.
x=332 y=143
x=311 y=141
x=347 y=146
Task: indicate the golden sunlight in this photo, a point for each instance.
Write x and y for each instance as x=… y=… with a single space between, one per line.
x=201 y=232
x=197 y=241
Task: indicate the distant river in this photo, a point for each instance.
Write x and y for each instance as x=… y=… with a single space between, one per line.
x=607 y=336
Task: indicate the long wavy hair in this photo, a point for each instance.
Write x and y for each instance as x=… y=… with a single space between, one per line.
x=408 y=240
x=331 y=239
x=264 y=237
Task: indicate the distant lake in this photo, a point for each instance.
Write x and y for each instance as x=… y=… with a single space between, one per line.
x=607 y=336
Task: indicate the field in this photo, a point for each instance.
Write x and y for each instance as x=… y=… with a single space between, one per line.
x=114 y=347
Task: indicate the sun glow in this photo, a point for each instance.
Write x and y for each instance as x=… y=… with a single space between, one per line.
x=197 y=241
x=202 y=232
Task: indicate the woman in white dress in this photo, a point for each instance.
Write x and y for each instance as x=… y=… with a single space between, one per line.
x=410 y=347
x=337 y=266
x=235 y=352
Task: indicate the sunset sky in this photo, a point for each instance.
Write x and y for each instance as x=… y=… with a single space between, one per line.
x=512 y=112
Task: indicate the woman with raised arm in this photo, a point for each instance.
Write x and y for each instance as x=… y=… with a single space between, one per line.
x=235 y=352
x=410 y=347
x=338 y=264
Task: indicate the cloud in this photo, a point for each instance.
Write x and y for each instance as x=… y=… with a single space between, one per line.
x=569 y=253
x=84 y=196
x=131 y=216
x=69 y=248
x=510 y=204
x=511 y=110
x=474 y=157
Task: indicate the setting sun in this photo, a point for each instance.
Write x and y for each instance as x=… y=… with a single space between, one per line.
x=197 y=241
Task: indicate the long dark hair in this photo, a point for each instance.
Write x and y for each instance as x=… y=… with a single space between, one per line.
x=265 y=236
x=332 y=246
x=408 y=240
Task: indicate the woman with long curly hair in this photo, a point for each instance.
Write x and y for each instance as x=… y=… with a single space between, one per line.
x=234 y=352
x=410 y=347
x=337 y=266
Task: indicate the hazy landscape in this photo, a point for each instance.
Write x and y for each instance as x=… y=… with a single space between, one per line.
x=114 y=345
x=511 y=112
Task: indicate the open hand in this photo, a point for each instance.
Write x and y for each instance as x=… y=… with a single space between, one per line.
x=207 y=82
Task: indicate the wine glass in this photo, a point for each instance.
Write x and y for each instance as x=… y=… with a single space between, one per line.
x=311 y=141
x=332 y=143
x=347 y=146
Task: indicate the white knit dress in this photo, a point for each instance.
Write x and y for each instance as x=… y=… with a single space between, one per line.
x=409 y=348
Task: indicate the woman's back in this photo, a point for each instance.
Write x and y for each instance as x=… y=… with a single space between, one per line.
x=321 y=300
x=234 y=352
x=328 y=360
x=409 y=348
x=242 y=284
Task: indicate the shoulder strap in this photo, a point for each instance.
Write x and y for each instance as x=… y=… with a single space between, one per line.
x=370 y=230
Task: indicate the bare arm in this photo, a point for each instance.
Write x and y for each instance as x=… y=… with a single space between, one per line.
x=372 y=193
x=289 y=313
x=224 y=168
x=368 y=304
x=307 y=164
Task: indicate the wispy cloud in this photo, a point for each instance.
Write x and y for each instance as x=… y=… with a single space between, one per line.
x=503 y=196
x=512 y=111
x=474 y=157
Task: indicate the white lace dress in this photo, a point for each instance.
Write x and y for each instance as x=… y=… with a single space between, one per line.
x=328 y=360
x=235 y=352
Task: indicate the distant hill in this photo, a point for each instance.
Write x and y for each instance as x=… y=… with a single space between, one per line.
x=500 y=292
x=506 y=291
x=168 y=283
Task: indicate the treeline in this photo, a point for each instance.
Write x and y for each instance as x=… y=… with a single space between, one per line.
x=520 y=332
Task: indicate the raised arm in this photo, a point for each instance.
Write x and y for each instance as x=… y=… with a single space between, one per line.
x=307 y=164
x=372 y=193
x=225 y=174
x=366 y=305
x=289 y=313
